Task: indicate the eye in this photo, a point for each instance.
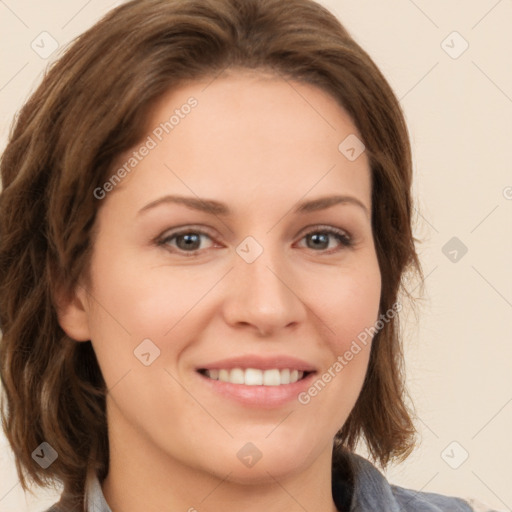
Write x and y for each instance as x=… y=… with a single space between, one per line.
x=185 y=241
x=188 y=241
x=320 y=238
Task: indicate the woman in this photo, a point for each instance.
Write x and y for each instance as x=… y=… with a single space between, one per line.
x=205 y=221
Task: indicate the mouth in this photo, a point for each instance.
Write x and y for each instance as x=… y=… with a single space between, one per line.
x=256 y=376
x=260 y=381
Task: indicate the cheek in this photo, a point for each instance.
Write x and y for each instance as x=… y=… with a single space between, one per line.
x=132 y=303
x=357 y=312
x=348 y=304
x=141 y=299
x=335 y=389
x=349 y=308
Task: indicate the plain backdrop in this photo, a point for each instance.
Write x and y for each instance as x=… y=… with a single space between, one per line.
x=450 y=65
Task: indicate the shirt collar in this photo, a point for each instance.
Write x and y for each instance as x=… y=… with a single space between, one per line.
x=94 y=499
x=372 y=492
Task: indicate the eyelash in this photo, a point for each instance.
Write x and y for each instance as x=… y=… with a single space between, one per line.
x=344 y=239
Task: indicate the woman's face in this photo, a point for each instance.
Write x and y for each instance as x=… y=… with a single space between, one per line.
x=215 y=258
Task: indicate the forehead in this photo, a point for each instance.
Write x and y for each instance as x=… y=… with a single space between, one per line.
x=247 y=135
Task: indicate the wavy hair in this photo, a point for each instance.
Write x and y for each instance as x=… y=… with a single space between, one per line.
x=92 y=105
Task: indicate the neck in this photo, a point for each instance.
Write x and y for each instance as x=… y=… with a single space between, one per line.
x=145 y=478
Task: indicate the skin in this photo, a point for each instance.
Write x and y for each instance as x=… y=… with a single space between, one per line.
x=260 y=145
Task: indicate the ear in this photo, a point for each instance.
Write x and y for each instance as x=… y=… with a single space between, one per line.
x=73 y=314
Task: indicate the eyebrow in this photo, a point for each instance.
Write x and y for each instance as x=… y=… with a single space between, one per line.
x=216 y=208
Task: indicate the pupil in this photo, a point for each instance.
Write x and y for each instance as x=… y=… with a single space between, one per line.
x=322 y=238
x=191 y=241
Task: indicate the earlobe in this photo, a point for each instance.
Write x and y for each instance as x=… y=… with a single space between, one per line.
x=73 y=315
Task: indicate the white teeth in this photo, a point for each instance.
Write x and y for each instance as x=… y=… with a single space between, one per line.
x=271 y=378
x=236 y=376
x=255 y=377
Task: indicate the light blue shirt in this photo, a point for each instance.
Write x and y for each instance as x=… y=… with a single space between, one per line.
x=371 y=493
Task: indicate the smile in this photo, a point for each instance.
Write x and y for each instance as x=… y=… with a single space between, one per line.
x=255 y=377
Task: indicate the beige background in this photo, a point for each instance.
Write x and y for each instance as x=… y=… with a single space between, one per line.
x=459 y=112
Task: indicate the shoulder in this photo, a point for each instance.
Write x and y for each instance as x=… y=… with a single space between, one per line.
x=418 y=501
x=372 y=492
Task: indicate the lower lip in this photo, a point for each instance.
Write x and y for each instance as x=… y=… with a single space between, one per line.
x=264 y=397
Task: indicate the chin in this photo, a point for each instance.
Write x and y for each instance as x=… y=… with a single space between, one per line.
x=258 y=462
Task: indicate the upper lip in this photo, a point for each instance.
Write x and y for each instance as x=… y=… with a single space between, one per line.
x=278 y=361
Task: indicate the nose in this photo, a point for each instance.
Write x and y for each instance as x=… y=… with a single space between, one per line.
x=264 y=296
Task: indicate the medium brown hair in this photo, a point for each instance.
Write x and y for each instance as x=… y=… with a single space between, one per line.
x=93 y=105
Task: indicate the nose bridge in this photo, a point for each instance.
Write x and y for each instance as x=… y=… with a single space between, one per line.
x=262 y=291
x=265 y=275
